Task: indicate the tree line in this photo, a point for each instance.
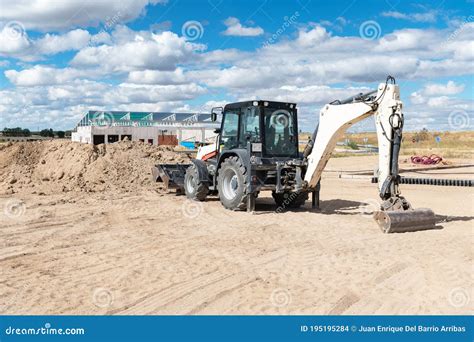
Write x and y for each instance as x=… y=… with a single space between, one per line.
x=25 y=132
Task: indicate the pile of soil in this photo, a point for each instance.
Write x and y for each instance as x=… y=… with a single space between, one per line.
x=46 y=167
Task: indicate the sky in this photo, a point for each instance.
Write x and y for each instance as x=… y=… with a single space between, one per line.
x=59 y=59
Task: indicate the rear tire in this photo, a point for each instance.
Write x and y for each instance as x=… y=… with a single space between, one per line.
x=232 y=184
x=193 y=187
x=290 y=199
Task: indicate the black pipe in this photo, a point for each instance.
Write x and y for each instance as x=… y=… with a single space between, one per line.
x=309 y=146
x=355 y=98
x=433 y=181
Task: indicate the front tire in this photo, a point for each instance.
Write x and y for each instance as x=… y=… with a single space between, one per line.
x=232 y=184
x=193 y=187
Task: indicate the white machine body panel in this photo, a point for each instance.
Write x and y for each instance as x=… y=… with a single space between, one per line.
x=335 y=119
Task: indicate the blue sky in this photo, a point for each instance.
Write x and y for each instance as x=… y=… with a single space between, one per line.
x=59 y=59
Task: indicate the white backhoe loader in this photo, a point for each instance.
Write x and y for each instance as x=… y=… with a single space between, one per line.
x=257 y=150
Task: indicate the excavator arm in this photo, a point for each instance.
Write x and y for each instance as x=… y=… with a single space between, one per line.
x=396 y=213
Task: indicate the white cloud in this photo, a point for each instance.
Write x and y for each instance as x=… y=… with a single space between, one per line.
x=38 y=75
x=450 y=88
x=12 y=41
x=157 y=77
x=235 y=28
x=462 y=49
x=61 y=106
x=24 y=48
x=223 y=56
x=46 y=75
x=439 y=99
x=408 y=39
x=146 y=51
x=434 y=103
x=132 y=93
x=435 y=112
x=312 y=37
x=426 y=17
x=73 y=40
x=271 y=70
x=157 y=71
x=436 y=95
x=417 y=98
x=59 y=15
x=315 y=95
x=338 y=24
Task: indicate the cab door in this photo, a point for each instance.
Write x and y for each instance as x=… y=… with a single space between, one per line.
x=229 y=136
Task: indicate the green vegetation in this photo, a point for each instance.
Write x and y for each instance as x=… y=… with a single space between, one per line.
x=24 y=132
x=353 y=145
x=16 y=132
x=47 y=133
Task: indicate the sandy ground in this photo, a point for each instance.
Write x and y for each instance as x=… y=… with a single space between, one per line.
x=149 y=253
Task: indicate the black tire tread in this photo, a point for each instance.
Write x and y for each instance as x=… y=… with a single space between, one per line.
x=202 y=188
x=235 y=161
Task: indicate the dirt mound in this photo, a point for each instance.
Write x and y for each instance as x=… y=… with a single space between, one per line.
x=63 y=166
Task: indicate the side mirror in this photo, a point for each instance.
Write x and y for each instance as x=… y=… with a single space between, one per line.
x=214 y=114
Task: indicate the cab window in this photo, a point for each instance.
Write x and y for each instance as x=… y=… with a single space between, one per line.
x=250 y=126
x=281 y=136
x=230 y=130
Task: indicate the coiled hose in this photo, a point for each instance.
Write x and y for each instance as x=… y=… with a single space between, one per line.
x=425 y=160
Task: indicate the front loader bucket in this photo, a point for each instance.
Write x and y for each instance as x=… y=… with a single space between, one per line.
x=405 y=220
x=171 y=175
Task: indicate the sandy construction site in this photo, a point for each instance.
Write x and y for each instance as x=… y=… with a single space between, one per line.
x=84 y=230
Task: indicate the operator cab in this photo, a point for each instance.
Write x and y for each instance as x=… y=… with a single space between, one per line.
x=269 y=126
